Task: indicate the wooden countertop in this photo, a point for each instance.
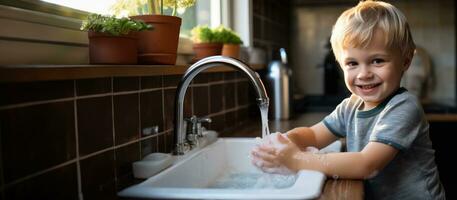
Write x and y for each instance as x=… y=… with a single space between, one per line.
x=22 y=73
x=438 y=117
x=333 y=189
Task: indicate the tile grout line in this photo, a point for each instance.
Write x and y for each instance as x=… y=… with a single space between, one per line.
x=163 y=116
x=40 y=172
x=169 y=87
x=34 y=103
x=112 y=93
x=114 y=131
x=223 y=93
x=26 y=104
x=227 y=111
x=2 y=177
x=236 y=92
x=151 y=89
x=236 y=99
x=192 y=99
x=118 y=146
x=140 y=131
x=209 y=101
x=78 y=163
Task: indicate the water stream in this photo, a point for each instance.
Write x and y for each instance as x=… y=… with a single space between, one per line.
x=264 y=116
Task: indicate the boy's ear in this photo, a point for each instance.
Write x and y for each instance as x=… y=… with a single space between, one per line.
x=407 y=63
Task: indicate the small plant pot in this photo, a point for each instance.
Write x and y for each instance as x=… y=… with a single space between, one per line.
x=159 y=46
x=231 y=50
x=108 y=49
x=203 y=50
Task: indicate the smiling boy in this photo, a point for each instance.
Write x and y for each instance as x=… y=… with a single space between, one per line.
x=387 y=135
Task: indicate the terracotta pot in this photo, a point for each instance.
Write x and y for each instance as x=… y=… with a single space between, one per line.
x=231 y=50
x=203 y=50
x=108 y=49
x=158 y=46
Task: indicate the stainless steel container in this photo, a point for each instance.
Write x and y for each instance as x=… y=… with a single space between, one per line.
x=279 y=81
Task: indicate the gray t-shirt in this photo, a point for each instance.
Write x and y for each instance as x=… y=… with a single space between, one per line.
x=400 y=122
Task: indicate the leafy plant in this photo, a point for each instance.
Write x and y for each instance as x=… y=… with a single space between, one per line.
x=204 y=34
x=143 y=7
x=227 y=36
x=112 y=25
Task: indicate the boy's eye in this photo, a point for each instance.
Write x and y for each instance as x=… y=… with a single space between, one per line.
x=378 y=61
x=351 y=63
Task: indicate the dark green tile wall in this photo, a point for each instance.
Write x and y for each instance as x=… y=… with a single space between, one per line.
x=81 y=136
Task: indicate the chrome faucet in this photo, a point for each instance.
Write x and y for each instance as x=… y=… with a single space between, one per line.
x=192 y=71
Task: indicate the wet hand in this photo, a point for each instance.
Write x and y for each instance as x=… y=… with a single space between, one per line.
x=278 y=152
x=287 y=152
x=263 y=156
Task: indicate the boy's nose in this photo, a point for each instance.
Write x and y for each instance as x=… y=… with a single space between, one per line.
x=364 y=73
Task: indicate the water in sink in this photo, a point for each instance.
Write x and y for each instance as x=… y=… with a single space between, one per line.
x=223 y=170
x=249 y=180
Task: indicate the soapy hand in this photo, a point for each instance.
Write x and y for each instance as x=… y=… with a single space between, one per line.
x=275 y=154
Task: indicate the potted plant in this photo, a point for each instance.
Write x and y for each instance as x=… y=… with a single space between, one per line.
x=112 y=40
x=207 y=42
x=158 y=46
x=231 y=40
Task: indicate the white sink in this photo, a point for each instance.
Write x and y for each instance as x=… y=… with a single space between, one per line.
x=213 y=173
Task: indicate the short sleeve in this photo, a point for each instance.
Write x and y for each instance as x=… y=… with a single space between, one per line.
x=400 y=123
x=335 y=121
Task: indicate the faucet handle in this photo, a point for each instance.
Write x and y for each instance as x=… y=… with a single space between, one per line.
x=194 y=125
x=204 y=119
x=192 y=119
x=199 y=125
x=191 y=125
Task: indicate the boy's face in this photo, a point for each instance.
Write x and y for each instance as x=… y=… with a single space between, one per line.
x=373 y=73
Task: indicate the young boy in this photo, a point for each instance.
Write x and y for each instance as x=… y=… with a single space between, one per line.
x=387 y=135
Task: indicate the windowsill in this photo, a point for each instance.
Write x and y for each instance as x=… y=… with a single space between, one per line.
x=26 y=73
x=34 y=27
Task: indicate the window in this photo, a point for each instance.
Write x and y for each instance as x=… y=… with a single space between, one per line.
x=42 y=26
x=203 y=12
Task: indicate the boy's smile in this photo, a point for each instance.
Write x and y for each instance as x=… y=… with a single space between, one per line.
x=374 y=72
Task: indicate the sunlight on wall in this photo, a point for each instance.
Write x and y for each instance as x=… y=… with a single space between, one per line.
x=99 y=6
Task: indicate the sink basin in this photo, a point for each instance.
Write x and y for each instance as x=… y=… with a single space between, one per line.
x=223 y=170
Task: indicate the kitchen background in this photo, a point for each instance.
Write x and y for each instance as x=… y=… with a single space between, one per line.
x=69 y=139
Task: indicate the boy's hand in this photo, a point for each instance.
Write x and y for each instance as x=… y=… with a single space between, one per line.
x=278 y=152
x=263 y=157
x=287 y=152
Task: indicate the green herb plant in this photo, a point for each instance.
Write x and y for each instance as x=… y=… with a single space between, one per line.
x=227 y=36
x=221 y=34
x=204 y=34
x=112 y=25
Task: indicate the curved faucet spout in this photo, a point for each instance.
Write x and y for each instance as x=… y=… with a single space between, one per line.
x=262 y=97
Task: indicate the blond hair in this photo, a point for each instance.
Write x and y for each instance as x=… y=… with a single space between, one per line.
x=355 y=28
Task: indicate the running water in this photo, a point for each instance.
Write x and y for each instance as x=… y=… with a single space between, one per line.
x=264 y=116
x=279 y=175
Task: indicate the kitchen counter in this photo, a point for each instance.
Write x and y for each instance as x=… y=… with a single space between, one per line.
x=333 y=189
x=26 y=73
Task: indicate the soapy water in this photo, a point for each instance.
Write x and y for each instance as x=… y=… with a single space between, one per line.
x=254 y=180
x=278 y=178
